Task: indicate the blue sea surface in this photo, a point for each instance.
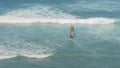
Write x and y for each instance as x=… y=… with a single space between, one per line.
x=35 y=34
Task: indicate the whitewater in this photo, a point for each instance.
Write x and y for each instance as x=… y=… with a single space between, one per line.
x=43 y=14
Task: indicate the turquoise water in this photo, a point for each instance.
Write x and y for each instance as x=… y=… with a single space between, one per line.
x=94 y=46
x=35 y=34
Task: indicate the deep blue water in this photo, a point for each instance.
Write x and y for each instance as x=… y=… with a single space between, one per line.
x=35 y=34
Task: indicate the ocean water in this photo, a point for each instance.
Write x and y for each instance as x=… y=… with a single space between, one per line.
x=35 y=34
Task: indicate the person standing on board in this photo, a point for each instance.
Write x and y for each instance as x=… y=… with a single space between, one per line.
x=72 y=34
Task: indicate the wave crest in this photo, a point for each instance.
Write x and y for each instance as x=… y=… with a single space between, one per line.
x=48 y=14
x=7 y=57
x=57 y=20
x=28 y=56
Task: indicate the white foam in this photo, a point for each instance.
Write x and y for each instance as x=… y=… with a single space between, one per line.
x=7 y=57
x=47 y=14
x=2 y=57
x=39 y=11
x=26 y=50
x=38 y=56
x=57 y=20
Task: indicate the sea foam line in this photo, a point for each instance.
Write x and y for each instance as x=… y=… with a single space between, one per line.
x=7 y=57
x=2 y=57
x=57 y=20
x=48 y=14
x=37 y=56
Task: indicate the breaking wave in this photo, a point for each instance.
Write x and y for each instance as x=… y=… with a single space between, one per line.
x=58 y=21
x=45 y=14
x=28 y=56
x=27 y=50
x=7 y=57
